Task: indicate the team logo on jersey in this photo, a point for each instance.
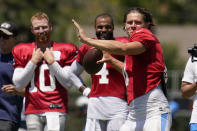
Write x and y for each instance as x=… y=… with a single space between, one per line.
x=139 y=30
x=56 y=55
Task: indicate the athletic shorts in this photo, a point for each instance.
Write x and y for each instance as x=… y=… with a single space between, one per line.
x=156 y=123
x=36 y=122
x=104 y=125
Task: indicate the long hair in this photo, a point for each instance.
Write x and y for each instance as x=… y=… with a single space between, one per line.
x=147 y=16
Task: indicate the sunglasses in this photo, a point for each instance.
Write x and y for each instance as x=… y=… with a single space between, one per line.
x=4 y=36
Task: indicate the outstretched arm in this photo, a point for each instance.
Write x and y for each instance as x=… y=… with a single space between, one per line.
x=112 y=46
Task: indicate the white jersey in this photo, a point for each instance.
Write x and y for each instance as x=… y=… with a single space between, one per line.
x=190 y=75
x=151 y=104
x=107 y=108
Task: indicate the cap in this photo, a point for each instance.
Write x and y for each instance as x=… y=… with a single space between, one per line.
x=9 y=28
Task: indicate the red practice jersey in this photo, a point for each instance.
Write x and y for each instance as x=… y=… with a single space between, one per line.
x=44 y=89
x=108 y=81
x=142 y=72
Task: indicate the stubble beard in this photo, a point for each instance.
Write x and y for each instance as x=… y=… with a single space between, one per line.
x=106 y=36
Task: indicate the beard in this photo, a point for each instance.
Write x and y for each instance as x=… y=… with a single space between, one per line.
x=105 y=36
x=43 y=38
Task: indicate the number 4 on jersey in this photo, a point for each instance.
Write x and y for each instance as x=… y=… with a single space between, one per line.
x=103 y=73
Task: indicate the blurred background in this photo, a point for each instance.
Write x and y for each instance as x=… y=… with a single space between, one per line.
x=175 y=27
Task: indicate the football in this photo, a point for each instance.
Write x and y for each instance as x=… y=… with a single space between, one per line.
x=90 y=59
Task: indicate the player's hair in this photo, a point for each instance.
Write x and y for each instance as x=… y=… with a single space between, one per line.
x=147 y=16
x=104 y=15
x=39 y=16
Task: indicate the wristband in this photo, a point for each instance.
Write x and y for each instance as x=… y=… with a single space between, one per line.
x=86 y=92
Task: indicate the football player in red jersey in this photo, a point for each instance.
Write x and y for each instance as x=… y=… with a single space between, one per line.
x=42 y=67
x=142 y=69
x=107 y=106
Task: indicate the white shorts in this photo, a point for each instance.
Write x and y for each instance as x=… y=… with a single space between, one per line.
x=104 y=125
x=156 y=123
x=37 y=122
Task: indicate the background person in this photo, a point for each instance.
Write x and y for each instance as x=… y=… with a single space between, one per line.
x=189 y=88
x=10 y=103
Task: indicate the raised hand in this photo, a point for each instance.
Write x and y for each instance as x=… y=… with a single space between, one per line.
x=48 y=56
x=37 y=56
x=81 y=34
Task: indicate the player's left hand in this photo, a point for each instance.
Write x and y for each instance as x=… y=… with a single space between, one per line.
x=106 y=58
x=9 y=89
x=81 y=34
x=48 y=56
